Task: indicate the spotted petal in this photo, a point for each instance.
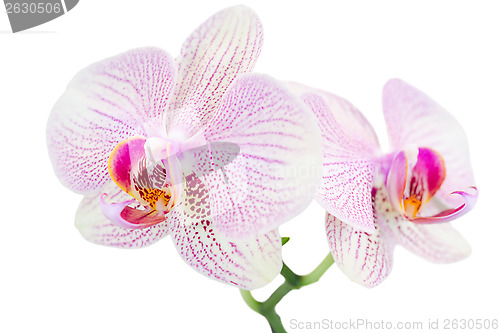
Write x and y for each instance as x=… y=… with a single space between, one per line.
x=350 y=150
x=415 y=119
x=246 y=264
x=104 y=104
x=366 y=258
x=275 y=175
x=222 y=48
x=98 y=229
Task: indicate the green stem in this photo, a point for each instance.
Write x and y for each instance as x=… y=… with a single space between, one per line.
x=292 y=281
x=266 y=309
x=318 y=272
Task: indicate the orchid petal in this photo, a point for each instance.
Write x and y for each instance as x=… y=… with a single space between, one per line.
x=222 y=48
x=217 y=155
x=246 y=264
x=350 y=148
x=366 y=258
x=415 y=119
x=275 y=175
x=104 y=104
x=343 y=114
x=96 y=228
x=195 y=204
x=438 y=243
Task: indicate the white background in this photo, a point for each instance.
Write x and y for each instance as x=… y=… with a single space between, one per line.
x=52 y=280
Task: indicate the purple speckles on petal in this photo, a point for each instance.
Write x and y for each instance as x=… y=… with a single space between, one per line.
x=104 y=104
x=276 y=173
x=366 y=258
x=213 y=56
x=248 y=265
x=349 y=148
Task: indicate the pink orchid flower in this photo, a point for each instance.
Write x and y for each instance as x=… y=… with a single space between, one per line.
x=191 y=147
x=376 y=200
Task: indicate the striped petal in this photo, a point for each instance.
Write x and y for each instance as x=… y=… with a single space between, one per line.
x=342 y=113
x=246 y=264
x=438 y=243
x=414 y=119
x=223 y=47
x=207 y=158
x=350 y=150
x=97 y=228
x=366 y=258
x=275 y=175
x=104 y=104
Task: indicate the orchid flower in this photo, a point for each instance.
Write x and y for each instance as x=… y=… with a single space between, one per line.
x=375 y=200
x=196 y=147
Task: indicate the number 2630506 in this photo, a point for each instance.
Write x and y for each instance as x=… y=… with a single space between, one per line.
x=33 y=8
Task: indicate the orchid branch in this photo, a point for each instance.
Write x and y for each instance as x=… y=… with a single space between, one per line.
x=292 y=281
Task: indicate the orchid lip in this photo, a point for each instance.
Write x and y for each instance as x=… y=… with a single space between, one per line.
x=416 y=174
x=129 y=214
x=469 y=197
x=145 y=169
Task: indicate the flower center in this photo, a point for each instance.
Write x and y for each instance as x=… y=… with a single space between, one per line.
x=145 y=169
x=416 y=174
x=151 y=186
x=412 y=206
